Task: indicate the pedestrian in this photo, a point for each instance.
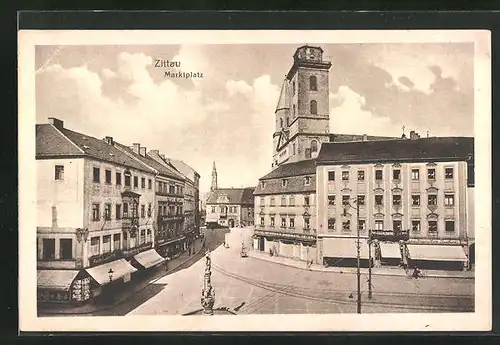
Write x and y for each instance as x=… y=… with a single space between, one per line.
x=416 y=272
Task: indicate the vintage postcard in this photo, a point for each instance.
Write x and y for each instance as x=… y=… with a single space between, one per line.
x=254 y=180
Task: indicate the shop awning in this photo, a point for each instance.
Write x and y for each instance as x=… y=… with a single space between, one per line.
x=344 y=248
x=55 y=279
x=120 y=268
x=390 y=250
x=149 y=258
x=436 y=252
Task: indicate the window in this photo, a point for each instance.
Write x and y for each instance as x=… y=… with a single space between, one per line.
x=379 y=225
x=292 y=201
x=125 y=210
x=107 y=176
x=125 y=241
x=293 y=148
x=106 y=244
x=213 y=209
x=136 y=182
x=59 y=172
x=361 y=175
x=281 y=123
x=331 y=200
x=415 y=174
x=314 y=146
x=95 y=212
x=449 y=199
x=346 y=225
x=293 y=87
x=396 y=200
x=150 y=184
x=331 y=223
x=314 y=107
x=361 y=200
x=415 y=200
x=345 y=200
x=143 y=182
x=431 y=174
x=379 y=200
x=449 y=226
x=293 y=113
x=283 y=222
x=272 y=204
x=262 y=184
x=415 y=225
x=378 y=174
x=287 y=121
x=292 y=222
x=142 y=238
x=262 y=221
x=306 y=201
x=118 y=178
x=107 y=211
x=313 y=86
x=432 y=200
x=95 y=244
x=448 y=173
x=262 y=201
x=272 y=221
x=49 y=249
x=283 y=201
x=127 y=180
x=307 y=180
x=307 y=223
x=331 y=176
x=345 y=175
x=396 y=174
x=116 y=241
x=96 y=176
x=433 y=227
x=283 y=183
x=361 y=224
x=396 y=225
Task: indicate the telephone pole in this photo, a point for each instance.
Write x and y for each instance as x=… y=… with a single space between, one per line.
x=358 y=258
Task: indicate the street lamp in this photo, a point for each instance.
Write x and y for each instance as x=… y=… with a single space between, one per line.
x=358 y=245
x=110 y=273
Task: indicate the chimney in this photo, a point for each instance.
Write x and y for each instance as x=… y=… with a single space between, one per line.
x=109 y=140
x=142 y=151
x=56 y=122
x=365 y=137
x=414 y=135
x=136 y=147
x=154 y=152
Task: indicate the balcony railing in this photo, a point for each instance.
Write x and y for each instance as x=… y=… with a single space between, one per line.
x=174 y=195
x=390 y=235
x=261 y=231
x=103 y=258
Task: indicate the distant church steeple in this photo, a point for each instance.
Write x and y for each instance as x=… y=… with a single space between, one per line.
x=213 y=187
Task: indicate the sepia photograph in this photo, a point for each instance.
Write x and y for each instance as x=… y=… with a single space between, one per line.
x=298 y=180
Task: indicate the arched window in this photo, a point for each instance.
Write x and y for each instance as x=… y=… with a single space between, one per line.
x=281 y=123
x=293 y=113
x=314 y=107
x=312 y=83
x=287 y=121
x=314 y=146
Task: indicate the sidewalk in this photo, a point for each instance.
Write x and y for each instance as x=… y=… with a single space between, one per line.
x=133 y=287
x=385 y=271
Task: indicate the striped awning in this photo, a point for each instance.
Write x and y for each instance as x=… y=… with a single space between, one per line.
x=344 y=248
x=436 y=252
x=60 y=280
x=119 y=267
x=149 y=258
x=390 y=250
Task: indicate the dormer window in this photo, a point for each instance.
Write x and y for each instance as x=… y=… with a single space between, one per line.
x=262 y=184
x=307 y=180
x=284 y=183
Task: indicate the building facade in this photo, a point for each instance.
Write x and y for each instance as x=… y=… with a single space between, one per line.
x=231 y=207
x=92 y=202
x=412 y=196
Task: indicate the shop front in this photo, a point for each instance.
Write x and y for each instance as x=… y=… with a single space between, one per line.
x=62 y=286
x=343 y=252
x=171 y=248
x=438 y=257
x=148 y=260
x=110 y=277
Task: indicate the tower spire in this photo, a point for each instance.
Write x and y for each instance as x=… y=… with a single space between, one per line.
x=213 y=187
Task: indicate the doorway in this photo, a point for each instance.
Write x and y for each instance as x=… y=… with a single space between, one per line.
x=231 y=223
x=261 y=244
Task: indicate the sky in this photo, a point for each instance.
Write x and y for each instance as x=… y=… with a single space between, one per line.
x=228 y=115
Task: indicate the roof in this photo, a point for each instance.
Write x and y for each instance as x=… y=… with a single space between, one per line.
x=284 y=100
x=295 y=184
x=425 y=149
x=184 y=168
x=340 y=137
x=56 y=279
x=163 y=170
x=234 y=195
x=305 y=167
x=52 y=142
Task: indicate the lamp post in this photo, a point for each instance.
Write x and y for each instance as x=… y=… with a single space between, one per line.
x=370 y=264
x=358 y=247
x=208 y=293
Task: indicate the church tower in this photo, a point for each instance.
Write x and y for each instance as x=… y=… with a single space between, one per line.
x=302 y=114
x=213 y=187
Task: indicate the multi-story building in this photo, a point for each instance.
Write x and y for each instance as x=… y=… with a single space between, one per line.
x=191 y=195
x=91 y=214
x=231 y=207
x=412 y=196
x=170 y=238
